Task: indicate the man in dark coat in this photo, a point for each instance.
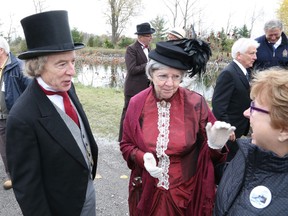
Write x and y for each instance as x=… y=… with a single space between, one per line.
x=51 y=151
x=273 y=49
x=231 y=94
x=136 y=58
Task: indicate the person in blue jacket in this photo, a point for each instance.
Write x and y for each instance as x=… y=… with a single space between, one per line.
x=273 y=49
x=12 y=83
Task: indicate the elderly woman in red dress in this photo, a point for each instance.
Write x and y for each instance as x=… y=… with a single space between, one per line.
x=167 y=141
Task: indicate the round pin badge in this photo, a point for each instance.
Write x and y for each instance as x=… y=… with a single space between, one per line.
x=260 y=197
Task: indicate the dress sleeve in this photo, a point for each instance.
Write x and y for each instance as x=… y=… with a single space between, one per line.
x=131 y=138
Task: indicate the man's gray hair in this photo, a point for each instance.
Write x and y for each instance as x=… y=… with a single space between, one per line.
x=242 y=45
x=34 y=67
x=4 y=44
x=271 y=24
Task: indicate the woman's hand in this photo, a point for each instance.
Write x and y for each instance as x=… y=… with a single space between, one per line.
x=150 y=165
x=218 y=134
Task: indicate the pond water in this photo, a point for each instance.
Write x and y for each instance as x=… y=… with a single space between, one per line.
x=107 y=76
x=113 y=76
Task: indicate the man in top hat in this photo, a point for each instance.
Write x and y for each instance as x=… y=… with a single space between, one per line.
x=51 y=151
x=136 y=58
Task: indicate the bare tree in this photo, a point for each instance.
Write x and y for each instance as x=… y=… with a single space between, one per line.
x=39 y=5
x=254 y=17
x=228 y=26
x=188 y=8
x=119 y=14
x=172 y=6
x=11 y=29
x=183 y=12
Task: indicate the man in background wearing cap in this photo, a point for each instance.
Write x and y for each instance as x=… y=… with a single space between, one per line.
x=136 y=58
x=51 y=151
x=12 y=85
x=176 y=34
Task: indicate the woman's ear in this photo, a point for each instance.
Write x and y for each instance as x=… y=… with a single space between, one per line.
x=283 y=135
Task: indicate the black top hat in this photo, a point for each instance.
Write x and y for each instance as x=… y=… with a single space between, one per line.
x=144 y=28
x=46 y=33
x=186 y=54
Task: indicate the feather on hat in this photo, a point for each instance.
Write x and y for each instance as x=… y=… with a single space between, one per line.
x=186 y=54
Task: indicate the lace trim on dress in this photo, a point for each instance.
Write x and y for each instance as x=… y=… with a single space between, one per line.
x=162 y=142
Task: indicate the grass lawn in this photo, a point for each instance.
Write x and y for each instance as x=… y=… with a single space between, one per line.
x=103 y=107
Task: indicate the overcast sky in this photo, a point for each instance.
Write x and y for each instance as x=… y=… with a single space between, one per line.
x=87 y=15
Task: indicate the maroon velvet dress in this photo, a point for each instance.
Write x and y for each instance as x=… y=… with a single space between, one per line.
x=174 y=131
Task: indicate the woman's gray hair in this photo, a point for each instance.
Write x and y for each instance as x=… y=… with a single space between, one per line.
x=153 y=65
x=34 y=67
x=271 y=24
x=4 y=45
x=242 y=45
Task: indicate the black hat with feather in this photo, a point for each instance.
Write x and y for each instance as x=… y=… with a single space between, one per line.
x=185 y=54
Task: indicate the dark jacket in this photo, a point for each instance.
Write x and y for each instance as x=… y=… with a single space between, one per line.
x=48 y=170
x=14 y=80
x=136 y=79
x=265 y=53
x=231 y=98
x=252 y=167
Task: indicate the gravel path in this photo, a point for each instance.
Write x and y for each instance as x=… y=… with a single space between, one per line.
x=111 y=184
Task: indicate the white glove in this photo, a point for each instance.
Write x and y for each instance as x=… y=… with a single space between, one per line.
x=150 y=165
x=218 y=134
